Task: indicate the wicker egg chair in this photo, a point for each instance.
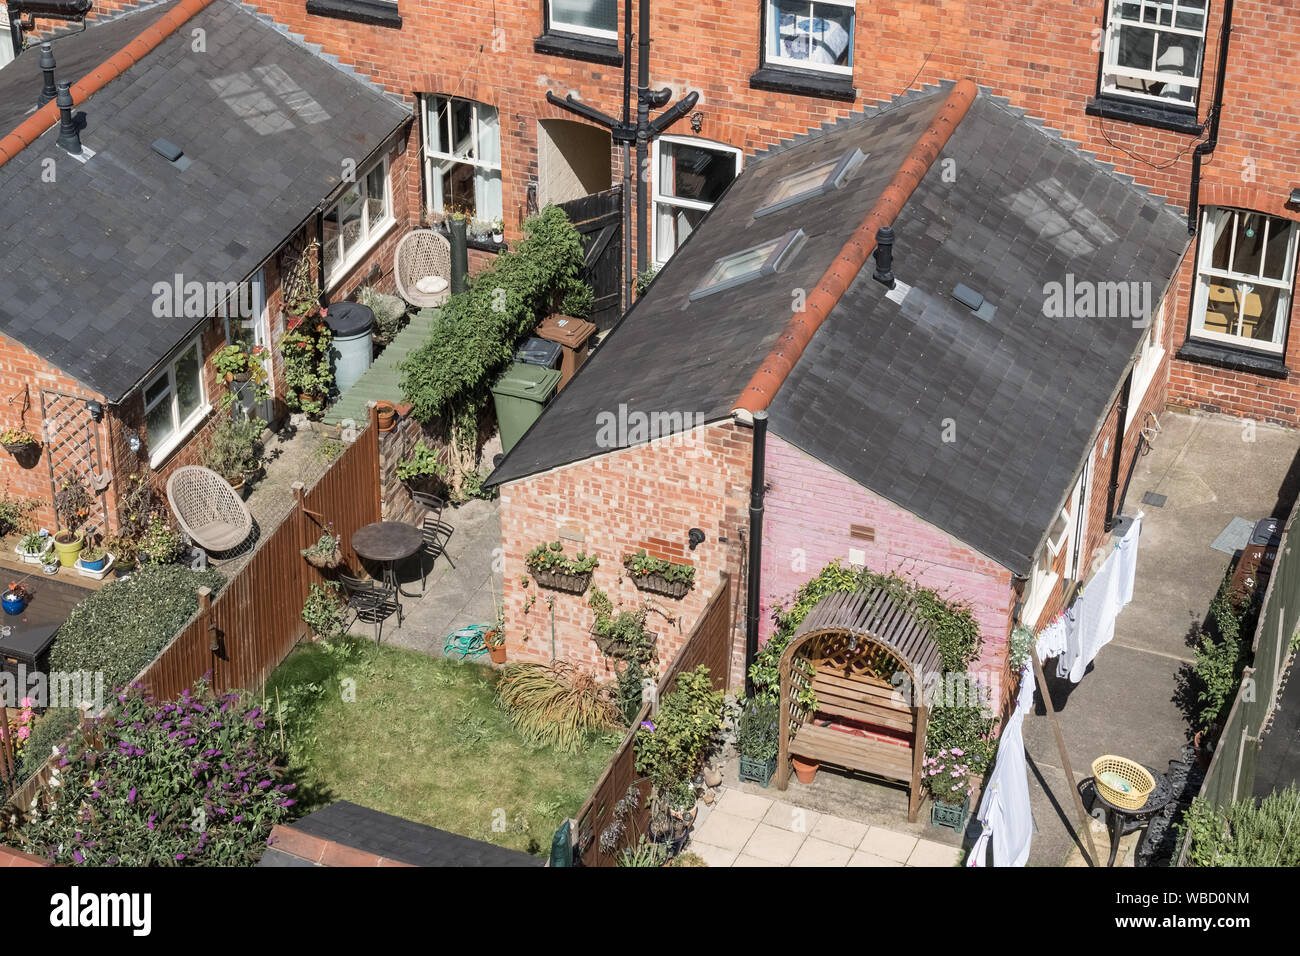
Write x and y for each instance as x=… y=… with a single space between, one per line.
x=208 y=509
x=421 y=254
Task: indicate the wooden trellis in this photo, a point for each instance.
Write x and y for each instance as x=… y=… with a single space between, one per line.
x=73 y=450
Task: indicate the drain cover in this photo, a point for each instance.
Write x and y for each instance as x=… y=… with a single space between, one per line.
x=1154 y=500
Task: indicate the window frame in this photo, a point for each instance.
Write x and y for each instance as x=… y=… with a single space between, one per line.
x=1108 y=63
x=768 y=58
x=181 y=429
x=1148 y=361
x=658 y=198
x=430 y=155
x=371 y=235
x=260 y=320
x=783 y=247
x=552 y=26
x=839 y=173
x=1205 y=272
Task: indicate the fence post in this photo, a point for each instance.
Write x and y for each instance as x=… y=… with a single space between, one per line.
x=7 y=768
x=210 y=632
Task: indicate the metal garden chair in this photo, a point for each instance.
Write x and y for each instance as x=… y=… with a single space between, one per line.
x=435 y=532
x=371 y=602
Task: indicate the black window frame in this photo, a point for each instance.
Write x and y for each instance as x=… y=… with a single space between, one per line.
x=784 y=78
x=555 y=41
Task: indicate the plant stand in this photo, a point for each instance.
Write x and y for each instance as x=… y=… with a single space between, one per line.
x=757 y=771
x=658 y=584
x=952 y=816
x=568 y=583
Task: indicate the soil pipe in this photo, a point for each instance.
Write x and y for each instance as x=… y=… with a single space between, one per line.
x=1118 y=452
x=1212 y=141
x=753 y=572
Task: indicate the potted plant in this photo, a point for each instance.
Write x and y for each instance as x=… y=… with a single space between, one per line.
x=421 y=468
x=552 y=568
x=947 y=775
x=49 y=562
x=306 y=343
x=495 y=639
x=234 y=448
x=386 y=412
x=325 y=553
x=34 y=546
x=93 y=557
x=623 y=635
x=498 y=231
x=19 y=442
x=480 y=229
x=14 y=598
x=72 y=504
x=159 y=544
x=758 y=740
x=659 y=576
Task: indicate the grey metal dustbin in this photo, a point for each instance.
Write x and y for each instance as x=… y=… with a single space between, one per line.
x=520 y=394
x=352 y=324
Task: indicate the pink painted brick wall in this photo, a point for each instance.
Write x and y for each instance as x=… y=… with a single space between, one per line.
x=807 y=517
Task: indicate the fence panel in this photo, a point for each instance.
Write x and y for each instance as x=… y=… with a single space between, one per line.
x=709 y=644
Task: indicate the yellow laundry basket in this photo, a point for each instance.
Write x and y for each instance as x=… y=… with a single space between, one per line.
x=1123 y=782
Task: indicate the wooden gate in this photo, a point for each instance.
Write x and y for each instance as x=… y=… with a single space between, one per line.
x=599 y=220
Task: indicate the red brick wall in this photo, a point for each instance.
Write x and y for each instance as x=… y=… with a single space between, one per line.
x=648 y=496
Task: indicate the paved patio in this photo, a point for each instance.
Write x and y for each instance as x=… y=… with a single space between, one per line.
x=1129 y=702
x=744 y=829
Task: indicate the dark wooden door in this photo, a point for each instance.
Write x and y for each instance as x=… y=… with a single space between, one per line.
x=599 y=220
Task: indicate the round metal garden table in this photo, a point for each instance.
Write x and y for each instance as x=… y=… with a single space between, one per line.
x=388 y=542
x=1121 y=821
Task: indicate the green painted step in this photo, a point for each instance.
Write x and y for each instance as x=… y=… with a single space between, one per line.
x=382 y=381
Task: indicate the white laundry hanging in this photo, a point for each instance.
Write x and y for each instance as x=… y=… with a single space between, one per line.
x=1090 y=620
x=1005 y=811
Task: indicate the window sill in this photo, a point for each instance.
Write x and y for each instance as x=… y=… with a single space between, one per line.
x=183 y=434
x=483 y=245
x=829 y=86
x=374 y=12
x=579 y=48
x=345 y=268
x=1128 y=111
x=1235 y=360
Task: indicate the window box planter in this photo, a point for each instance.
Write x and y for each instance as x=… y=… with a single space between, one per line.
x=658 y=584
x=557 y=581
x=612 y=647
x=952 y=816
x=757 y=771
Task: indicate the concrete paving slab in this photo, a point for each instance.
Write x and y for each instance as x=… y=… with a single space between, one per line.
x=839 y=831
x=888 y=844
x=742 y=804
x=746 y=860
x=713 y=855
x=774 y=845
x=787 y=816
x=726 y=830
x=816 y=852
x=862 y=858
x=929 y=853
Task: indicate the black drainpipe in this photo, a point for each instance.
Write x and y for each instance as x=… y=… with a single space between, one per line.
x=756 y=480
x=1207 y=148
x=1118 y=451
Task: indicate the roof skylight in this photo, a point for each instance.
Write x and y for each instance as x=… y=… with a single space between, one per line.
x=741 y=267
x=814 y=181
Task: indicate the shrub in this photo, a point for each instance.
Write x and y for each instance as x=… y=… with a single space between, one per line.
x=421 y=462
x=122 y=627
x=52 y=728
x=959 y=745
x=671 y=746
x=579 y=301
x=323 y=611
x=555 y=703
x=15 y=514
x=389 y=311
x=191 y=783
x=1244 y=834
x=477 y=331
x=1221 y=655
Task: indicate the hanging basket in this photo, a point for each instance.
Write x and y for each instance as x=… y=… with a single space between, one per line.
x=658 y=584
x=325 y=561
x=620 y=650
x=568 y=583
x=23 y=449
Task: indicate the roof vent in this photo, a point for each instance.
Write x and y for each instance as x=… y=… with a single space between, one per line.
x=69 y=138
x=48 y=90
x=172 y=153
x=968 y=297
x=884 y=254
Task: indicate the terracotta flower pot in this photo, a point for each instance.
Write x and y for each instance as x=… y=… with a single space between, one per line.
x=497 y=653
x=804 y=770
x=387 y=415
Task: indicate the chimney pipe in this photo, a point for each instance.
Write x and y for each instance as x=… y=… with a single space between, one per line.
x=48 y=91
x=68 y=136
x=884 y=254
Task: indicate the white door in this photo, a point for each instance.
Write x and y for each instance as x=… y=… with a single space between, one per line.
x=248 y=323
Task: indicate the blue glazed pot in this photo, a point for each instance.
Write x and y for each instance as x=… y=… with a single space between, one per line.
x=13 y=602
x=94 y=565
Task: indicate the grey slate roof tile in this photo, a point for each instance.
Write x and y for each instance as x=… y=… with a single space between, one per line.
x=107 y=230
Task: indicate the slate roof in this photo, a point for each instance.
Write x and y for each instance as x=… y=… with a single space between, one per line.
x=872 y=392
x=266 y=124
x=395 y=838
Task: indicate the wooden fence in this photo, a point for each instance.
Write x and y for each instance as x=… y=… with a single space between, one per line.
x=239 y=637
x=709 y=644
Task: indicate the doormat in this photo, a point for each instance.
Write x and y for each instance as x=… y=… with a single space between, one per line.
x=1154 y=500
x=1234 y=537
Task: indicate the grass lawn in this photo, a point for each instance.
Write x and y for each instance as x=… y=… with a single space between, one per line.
x=422 y=738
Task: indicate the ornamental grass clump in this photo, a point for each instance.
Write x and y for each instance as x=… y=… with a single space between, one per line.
x=194 y=782
x=556 y=704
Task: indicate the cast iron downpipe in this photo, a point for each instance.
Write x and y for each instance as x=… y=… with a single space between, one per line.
x=1118 y=451
x=626 y=148
x=756 y=480
x=1212 y=141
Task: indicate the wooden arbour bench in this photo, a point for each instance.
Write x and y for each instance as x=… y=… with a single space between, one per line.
x=866 y=658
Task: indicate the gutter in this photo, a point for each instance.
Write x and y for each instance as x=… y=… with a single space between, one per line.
x=40 y=122
x=776 y=367
x=1211 y=143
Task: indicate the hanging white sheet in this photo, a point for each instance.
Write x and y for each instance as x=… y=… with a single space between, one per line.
x=1005 y=811
x=1090 y=620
